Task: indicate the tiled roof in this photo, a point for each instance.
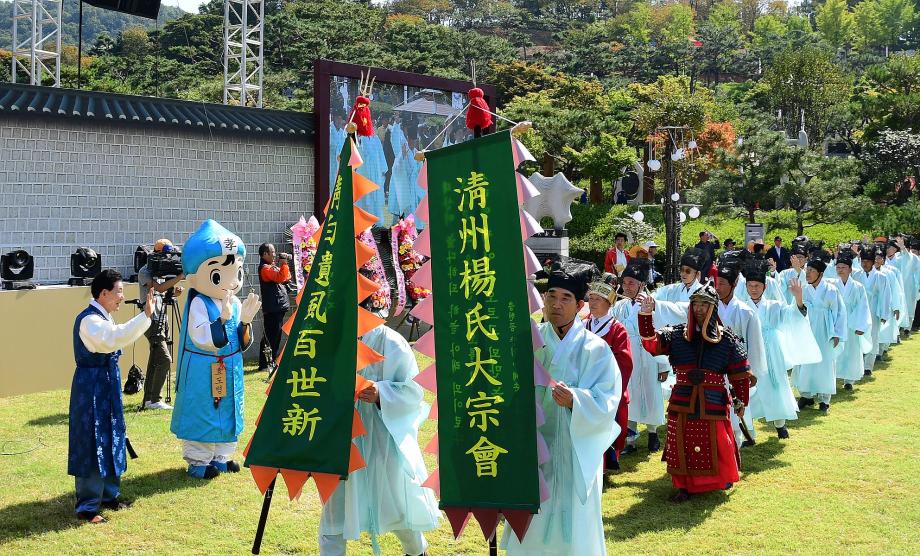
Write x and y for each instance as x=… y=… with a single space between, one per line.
x=29 y=100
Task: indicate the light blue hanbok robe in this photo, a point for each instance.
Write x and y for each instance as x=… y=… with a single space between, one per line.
x=405 y=194
x=905 y=265
x=880 y=309
x=742 y=320
x=850 y=363
x=676 y=292
x=785 y=277
x=570 y=521
x=336 y=140
x=387 y=494
x=890 y=330
x=646 y=394
x=374 y=168
x=788 y=342
x=828 y=319
x=773 y=290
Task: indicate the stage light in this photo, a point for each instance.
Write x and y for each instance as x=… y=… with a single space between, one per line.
x=85 y=264
x=16 y=270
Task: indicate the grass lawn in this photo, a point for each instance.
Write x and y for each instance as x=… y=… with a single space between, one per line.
x=843 y=483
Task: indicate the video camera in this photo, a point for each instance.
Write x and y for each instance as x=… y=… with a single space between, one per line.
x=163 y=264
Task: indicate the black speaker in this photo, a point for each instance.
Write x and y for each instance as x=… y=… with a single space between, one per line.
x=630 y=184
x=143 y=8
x=17 y=265
x=85 y=263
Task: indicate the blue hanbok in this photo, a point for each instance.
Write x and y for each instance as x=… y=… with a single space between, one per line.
x=788 y=342
x=859 y=319
x=828 y=319
x=570 y=522
x=374 y=168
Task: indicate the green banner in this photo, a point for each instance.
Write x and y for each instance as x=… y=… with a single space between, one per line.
x=483 y=345
x=306 y=423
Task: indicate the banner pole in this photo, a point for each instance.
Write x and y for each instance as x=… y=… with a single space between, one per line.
x=493 y=544
x=266 y=504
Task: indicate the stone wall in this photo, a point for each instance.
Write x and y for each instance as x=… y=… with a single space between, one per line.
x=108 y=186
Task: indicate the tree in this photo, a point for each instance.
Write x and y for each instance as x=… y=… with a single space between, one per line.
x=835 y=22
x=747 y=174
x=805 y=79
x=819 y=189
x=867 y=25
x=134 y=42
x=892 y=167
x=897 y=16
x=604 y=158
x=570 y=118
x=889 y=95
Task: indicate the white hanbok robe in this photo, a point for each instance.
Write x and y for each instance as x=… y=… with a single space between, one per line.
x=785 y=277
x=387 y=494
x=904 y=262
x=881 y=309
x=570 y=521
x=336 y=140
x=646 y=394
x=788 y=341
x=374 y=168
x=859 y=319
x=742 y=320
x=890 y=330
x=676 y=292
x=828 y=319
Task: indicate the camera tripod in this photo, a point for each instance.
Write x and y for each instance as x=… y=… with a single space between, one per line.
x=167 y=317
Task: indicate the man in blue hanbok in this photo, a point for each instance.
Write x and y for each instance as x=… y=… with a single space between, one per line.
x=796 y=271
x=208 y=415
x=828 y=319
x=859 y=323
x=646 y=393
x=580 y=424
x=880 y=305
x=387 y=495
x=890 y=331
x=788 y=341
x=740 y=318
x=691 y=265
x=97 y=441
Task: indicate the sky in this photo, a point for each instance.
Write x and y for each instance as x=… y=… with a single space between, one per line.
x=187 y=5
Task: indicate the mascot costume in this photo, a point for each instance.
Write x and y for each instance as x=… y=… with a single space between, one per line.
x=208 y=414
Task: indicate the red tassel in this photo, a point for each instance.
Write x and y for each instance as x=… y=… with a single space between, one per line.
x=478 y=114
x=361 y=116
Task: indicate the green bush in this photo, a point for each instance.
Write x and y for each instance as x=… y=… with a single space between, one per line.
x=592 y=228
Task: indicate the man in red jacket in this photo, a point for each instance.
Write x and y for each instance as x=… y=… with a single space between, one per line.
x=617 y=258
x=274 y=273
x=601 y=296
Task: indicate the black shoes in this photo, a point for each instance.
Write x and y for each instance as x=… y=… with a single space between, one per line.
x=782 y=432
x=824 y=407
x=653 y=443
x=629 y=449
x=848 y=387
x=680 y=497
x=747 y=443
x=868 y=372
x=116 y=505
x=233 y=467
x=806 y=402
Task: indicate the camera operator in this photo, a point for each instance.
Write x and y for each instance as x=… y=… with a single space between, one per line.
x=273 y=275
x=160 y=358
